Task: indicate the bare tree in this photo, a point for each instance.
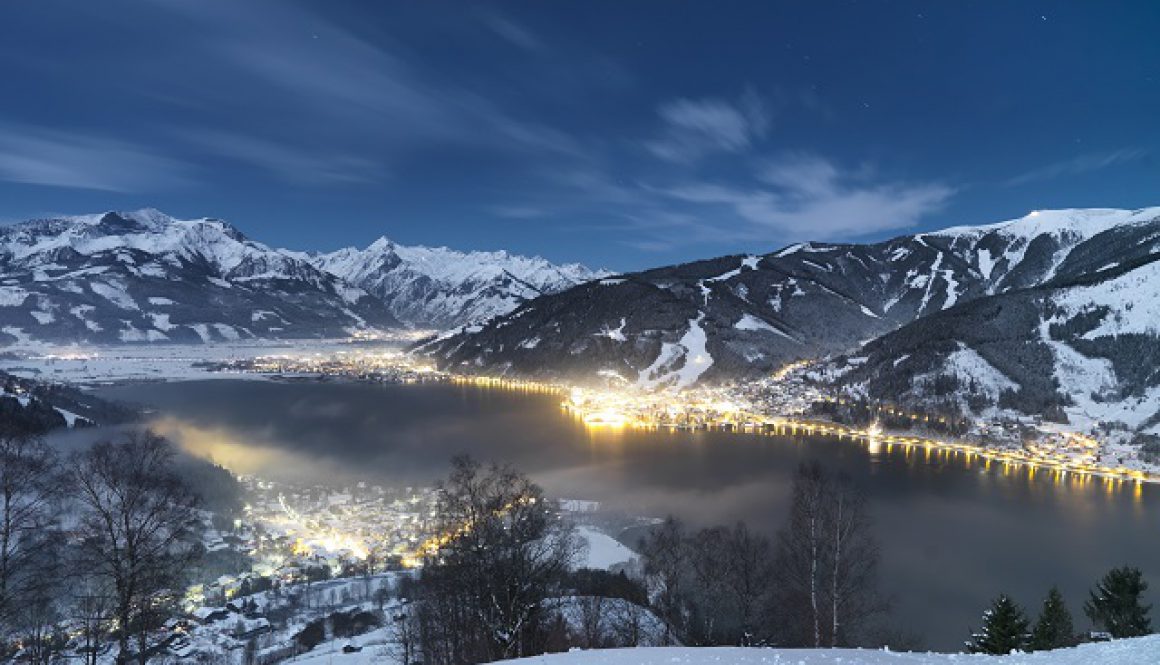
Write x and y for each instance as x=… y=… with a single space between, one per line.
x=92 y=610
x=593 y=621
x=666 y=562
x=628 y=624
x=826 y=564
x=800 y=548
x=708 y=561
x=852 y=563
x=503 y=550
x=749 y=565
x=137 y=527
x=405 y=634
x=30 y=490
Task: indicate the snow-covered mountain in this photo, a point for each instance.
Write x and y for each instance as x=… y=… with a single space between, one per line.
x=745 y=315
x=144 y=276
x=1083 y=347
x=436 y=287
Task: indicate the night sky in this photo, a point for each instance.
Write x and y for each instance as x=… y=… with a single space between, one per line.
x=620 y=134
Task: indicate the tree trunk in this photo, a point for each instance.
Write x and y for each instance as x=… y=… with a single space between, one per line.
x=834 y=575
x=814 y=581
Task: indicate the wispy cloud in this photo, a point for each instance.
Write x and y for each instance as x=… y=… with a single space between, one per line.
x=298 y=165
x=694 y=128
x=1078 y=165
x=809 y=197
x=58 y=158
x=373 y=104
x=518 y=212
x=513 y=32
x=799 y=196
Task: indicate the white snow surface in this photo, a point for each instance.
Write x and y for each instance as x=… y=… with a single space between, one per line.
x=750 y=322
x=1135 y=651
x=1084 y=222
x=603 y=551
x=444 y=287
x=967 y=363
x=156 y=234
x=691 y=348
x=1133 y=299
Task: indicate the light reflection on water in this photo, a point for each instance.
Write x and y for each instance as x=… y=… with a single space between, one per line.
x=956 y=530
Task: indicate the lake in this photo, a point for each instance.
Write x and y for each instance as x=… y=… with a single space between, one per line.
x=953 y=534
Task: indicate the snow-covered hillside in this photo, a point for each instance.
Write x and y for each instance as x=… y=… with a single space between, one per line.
x=146 y=277
x=1082 y=348
x=436 y=287
x=1136 y=651
x=745 y=315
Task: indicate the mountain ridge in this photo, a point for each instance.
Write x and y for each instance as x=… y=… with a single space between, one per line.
x=438 y=287
x=806 y=300
x=144 y=276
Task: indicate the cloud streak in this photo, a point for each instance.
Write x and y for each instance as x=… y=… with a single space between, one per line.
x=57 y=158
x=694 y=128
x=514 y=33
x=808 y=197
x=1077 y=166
x=298 y=165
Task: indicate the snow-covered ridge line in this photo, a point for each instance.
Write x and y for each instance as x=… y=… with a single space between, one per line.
x=143 y=276
x=439 y=287
x=1086 y=221
x=807 y=300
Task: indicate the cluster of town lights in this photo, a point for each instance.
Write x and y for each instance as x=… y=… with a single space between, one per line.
x=717 y=408
x=694 y=410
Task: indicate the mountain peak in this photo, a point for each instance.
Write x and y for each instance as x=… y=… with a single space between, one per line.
x=442 y=287
x=1084 y=221
x=381 y=244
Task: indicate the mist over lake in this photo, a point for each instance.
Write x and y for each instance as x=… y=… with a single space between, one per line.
x=953 y=535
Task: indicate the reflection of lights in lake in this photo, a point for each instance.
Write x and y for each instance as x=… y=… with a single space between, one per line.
x=606 y=419
x=873 y=438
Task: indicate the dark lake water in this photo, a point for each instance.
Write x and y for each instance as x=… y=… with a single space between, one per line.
x=953 y=535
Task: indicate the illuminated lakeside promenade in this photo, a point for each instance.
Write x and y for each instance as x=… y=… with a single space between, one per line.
x=723 y=409
x=635 y=410
x=595 y=414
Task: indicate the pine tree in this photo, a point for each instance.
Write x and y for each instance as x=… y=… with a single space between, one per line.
x=1054 y=628
x=1115 y=603
x=1004 y=629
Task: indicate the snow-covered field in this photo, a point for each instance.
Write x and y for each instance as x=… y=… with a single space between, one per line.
x=603 y=551
x=375 y=647
x=1138 y=651
x=92 y=365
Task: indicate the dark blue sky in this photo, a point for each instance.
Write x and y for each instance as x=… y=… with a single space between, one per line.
x=620 y=134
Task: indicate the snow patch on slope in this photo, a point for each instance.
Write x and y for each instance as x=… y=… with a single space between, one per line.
x=691 y=349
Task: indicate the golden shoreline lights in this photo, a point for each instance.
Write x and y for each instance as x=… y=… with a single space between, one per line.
x=732 y=408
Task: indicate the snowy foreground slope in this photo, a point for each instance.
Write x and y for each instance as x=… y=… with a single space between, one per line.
x=1137 y=651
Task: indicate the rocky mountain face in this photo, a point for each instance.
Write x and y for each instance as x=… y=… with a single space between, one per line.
x=441 y=288
x=746 y=315
x=146 y=277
